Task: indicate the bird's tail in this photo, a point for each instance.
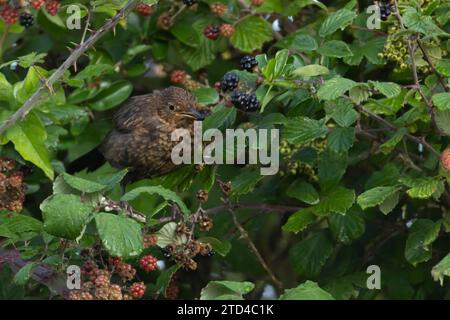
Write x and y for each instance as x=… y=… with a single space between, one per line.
x=91 y=161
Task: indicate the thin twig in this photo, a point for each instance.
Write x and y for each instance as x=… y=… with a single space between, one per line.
x=430 y=64
x=411 y=50
x=77 y=53
x=392 y=127
x=264 y=207
x=245 y=236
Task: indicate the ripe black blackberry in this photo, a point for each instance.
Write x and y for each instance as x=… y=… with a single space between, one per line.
x=385 y=10
x=245 y=102
x=229 y=82
x=189 y=3
x=248 y=63
x=237 y=98
x=251 y=103
x=26 y=20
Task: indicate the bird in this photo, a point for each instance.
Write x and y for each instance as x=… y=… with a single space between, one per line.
x=140 y=138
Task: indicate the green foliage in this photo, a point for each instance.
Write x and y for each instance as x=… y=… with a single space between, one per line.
x=363 y=116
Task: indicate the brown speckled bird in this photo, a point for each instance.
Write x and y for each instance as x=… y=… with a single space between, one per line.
x=140 y=139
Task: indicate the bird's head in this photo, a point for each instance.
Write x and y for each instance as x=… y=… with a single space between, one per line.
x=179 y=106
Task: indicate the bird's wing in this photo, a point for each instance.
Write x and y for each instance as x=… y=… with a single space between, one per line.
x=132 y=114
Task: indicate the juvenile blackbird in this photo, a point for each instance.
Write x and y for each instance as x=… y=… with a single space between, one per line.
x=140 y=139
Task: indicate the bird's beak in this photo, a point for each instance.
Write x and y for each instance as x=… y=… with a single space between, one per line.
x=195 y=114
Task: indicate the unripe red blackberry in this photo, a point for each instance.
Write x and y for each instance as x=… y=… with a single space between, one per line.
x=52 y=7
x=172 y=290
x=148 y=263
x=137 y=290
x=226 y=30
x=101 y=281
x=150 y=240
x=114 y=261
x=26 y=20
x=445 y=159
x=218 y=9
x=144 y=9
x=115 y=292
x=37 y=4
x=164 y=21
x=217 y=86
x=9 y=14
x=86 y=296
x=191 y=85
x=125 y=271
x=102 y=293
x=178 y=76
x=211 y=32
x=74 y=295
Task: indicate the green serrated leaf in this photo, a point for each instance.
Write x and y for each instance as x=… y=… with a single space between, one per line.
x=251 y=33
x=167 y=194
x=306 y=291
x=310 y=255
x=335 y=88
x=337 y=20
x=65 y=215
x=29 y=137
x=442 y=101
x=375 y=196
x=335 y=48
x=121 y=236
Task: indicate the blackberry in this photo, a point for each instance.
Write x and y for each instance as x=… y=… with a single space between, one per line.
x=227 y=30
x=211 y=32
x=385 y=11
x=251 y=103
x=26 y=20
x=189 y=3
x=245 y=102
x=229 y=82
x=248 y=63
x=237 y=98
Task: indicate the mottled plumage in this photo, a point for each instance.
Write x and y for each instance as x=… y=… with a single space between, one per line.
x=140 y=137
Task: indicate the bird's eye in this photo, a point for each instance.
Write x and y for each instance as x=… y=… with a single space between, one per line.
x=171 y=107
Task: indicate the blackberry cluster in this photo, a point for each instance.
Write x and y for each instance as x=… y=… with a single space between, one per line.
x=229 y=81
x=12 y=188
x=26 y=20
x=248 y=63
x=189 y=3
x=395 y=49
x=244 y=101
